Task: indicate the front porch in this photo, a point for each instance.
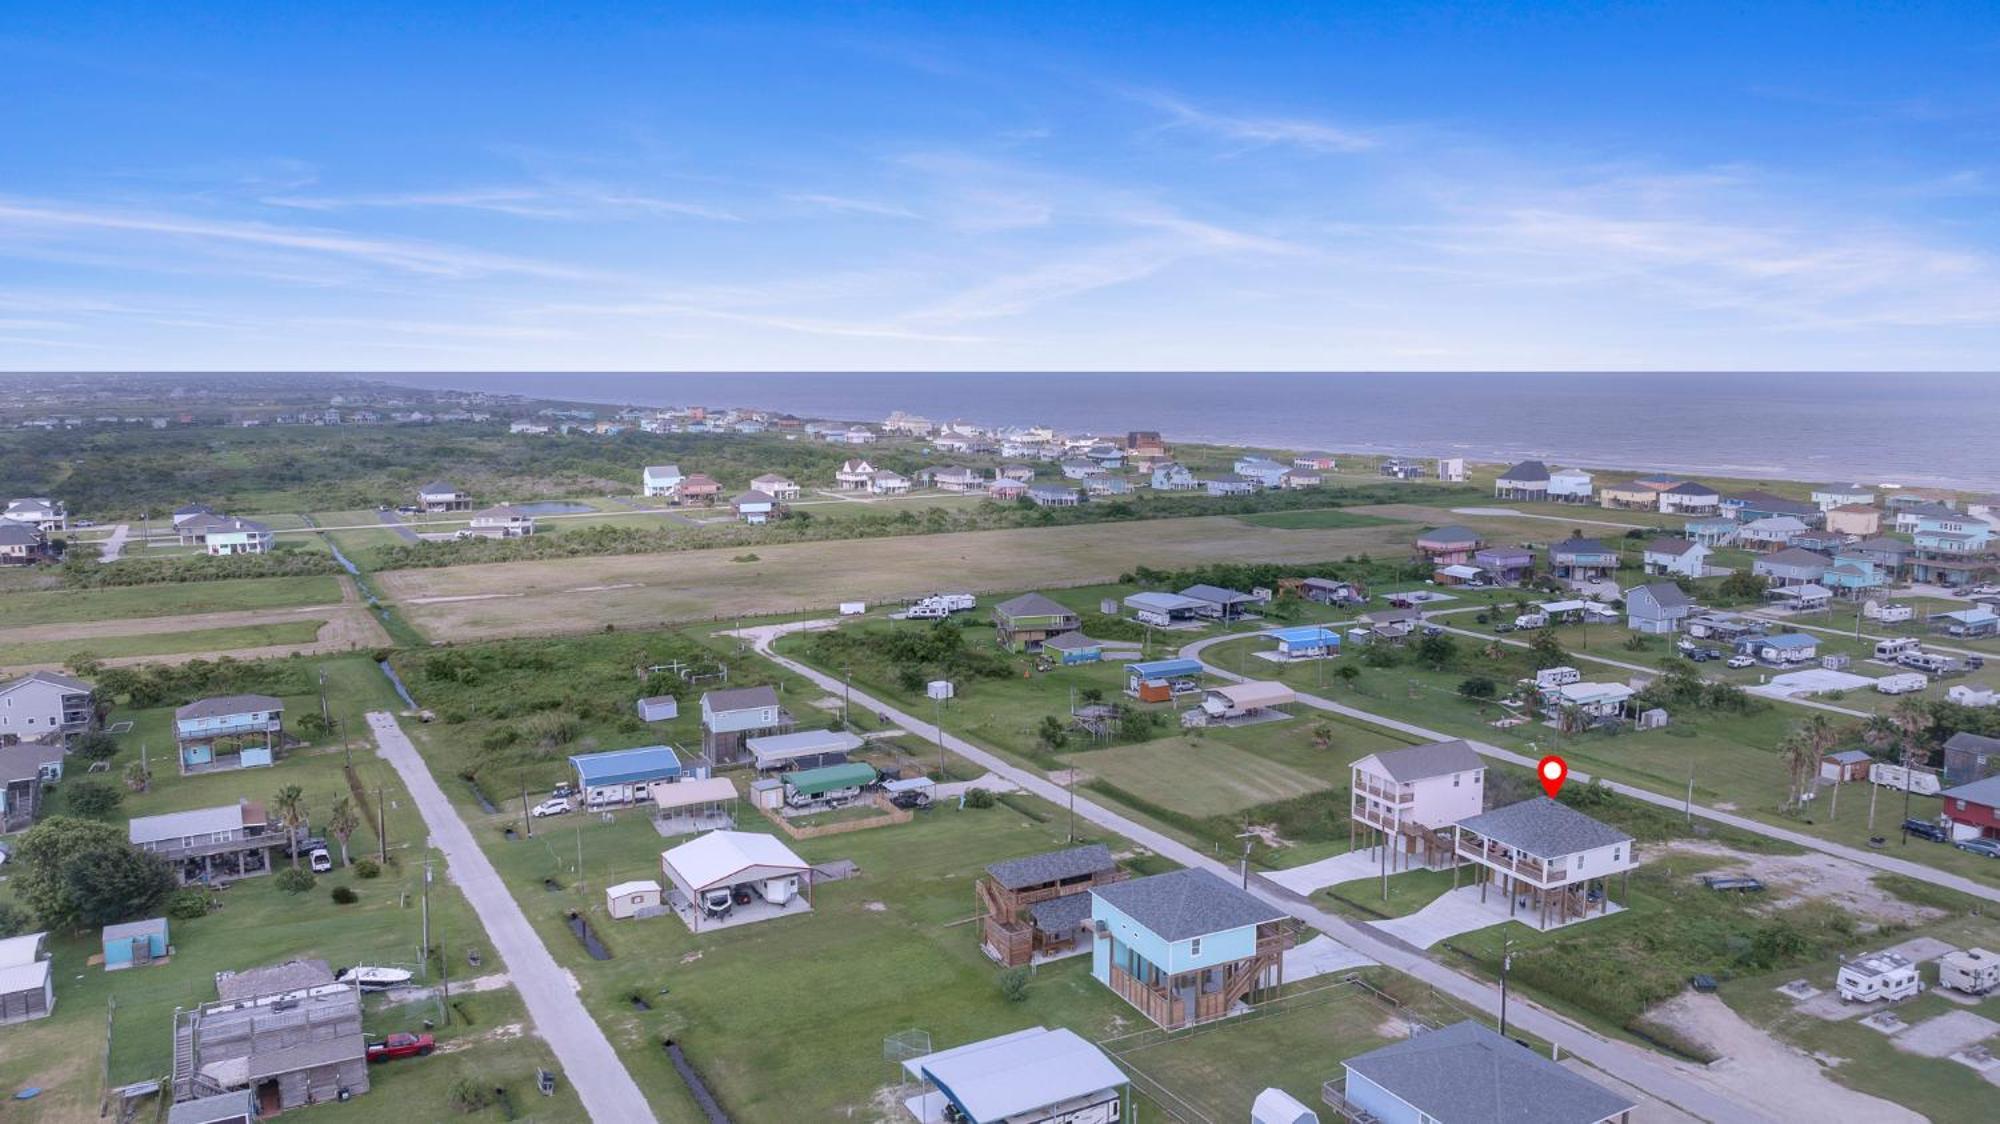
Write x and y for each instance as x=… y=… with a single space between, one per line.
x=1189 y=998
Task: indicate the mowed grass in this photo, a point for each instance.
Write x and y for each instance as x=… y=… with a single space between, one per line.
x=19 y=610
x=164 y=643
x=1317 y=520
x=582 y=594
x=1201 y=777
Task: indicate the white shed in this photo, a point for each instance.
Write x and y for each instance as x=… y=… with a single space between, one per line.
x=627 y=898
x=1275 y=1106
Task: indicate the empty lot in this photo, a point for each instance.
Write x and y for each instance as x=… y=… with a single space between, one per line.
x=578 y=594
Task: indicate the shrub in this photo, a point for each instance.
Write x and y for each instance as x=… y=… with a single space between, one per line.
x=96 y=746
x=367 y=868
x=345 y=895
x=468 y=1095
x=979 y=798
x=14 y=920
x=294 y=880
x=186 y=905
x=95 y=799
x=1478 y=687
x=1013 y=983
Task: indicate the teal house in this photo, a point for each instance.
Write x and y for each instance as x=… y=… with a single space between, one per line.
x=1185 y=947
x=135 y=944
x=229 y=732
x=1073 y=648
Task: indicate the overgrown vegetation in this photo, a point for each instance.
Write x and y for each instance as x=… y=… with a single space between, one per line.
x=288 y=560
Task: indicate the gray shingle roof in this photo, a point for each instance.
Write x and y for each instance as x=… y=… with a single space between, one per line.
x=1032 y=605
x=1436 y=759
x=272 y=979
x=1052 y=866
x=1666 y=595
x=16 y=534
x=1543 y=828
x=1451 y=532
x=1579 y=546
x=1060 y=915
x=1973 y=743
x=1795 y=556
x=1985 y=791
x=1182 y=904
x=1071 y=642
x=1466 y=1074
x=224 y=705
x=1527 y=471
x=1675 y=547
x=740 y=698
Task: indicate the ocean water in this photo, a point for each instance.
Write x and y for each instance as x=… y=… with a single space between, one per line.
x=1913 y=429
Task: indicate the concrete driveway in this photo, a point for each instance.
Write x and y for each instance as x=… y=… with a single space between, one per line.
x=1454 y=912
x=593 y=1069
x=1326 y=872
x=114 y=546
x=395 y=523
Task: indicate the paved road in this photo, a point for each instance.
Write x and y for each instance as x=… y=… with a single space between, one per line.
x=1873 y=859
x=395 y=523
x=1683 y=1085
x=114 y=547
x=593 y=1069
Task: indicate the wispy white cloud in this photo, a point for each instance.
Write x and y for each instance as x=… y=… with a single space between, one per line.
x=565 y=202
x=1251 y=131
x=848 y=205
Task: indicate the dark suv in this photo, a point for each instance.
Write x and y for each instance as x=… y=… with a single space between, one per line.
x=1925 y=829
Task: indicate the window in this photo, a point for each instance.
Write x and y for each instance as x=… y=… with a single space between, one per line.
x=1194 y=947
x=1455 y=777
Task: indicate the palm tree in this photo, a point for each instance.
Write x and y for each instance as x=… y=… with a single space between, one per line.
x=1913 y=719
x=343 y=822
x=1803 y=750
x=138 y=777
x=1878 y=733
x=289 y=803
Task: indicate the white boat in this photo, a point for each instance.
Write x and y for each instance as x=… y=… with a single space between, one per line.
x=375 y=979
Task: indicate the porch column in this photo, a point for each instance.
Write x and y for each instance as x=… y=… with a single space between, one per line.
x=1513 y=898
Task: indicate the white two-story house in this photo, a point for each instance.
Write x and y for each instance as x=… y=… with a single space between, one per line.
x=1412 y=797
x=660 y=479
x=1552 y=863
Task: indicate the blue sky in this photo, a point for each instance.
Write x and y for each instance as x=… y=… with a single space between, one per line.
x=1020 y=186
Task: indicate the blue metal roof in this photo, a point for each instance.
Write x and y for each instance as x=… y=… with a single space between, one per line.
x=627 y=766
x=1162 y=669
x=1790 y=640
x=1306 y=634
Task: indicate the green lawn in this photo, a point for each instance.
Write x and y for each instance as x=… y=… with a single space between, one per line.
x=1230 y=779
x=19 y=610
x=1409 y=891
x=303 y=631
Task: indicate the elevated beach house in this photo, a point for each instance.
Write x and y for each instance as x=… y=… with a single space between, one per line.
x=1505 y=565
x=1024 y=622
x=1173 y=477
x=754 y=507
x=22 y=545
x=1582 y=560
x=1467 y=1074
x=1656 y=608
x=1054 y=495
x=1859 y=520
x=1038 y=907
x=229 y=732
x=784 y=489
x=697 y=489
x=1449 y=545
x=1628 y=495
x=1953 y=551
x=1550 y=860
x=1570 y=485
x=1528 y=480
x=41 y=703
x=1791 y=566
x=1690 y=498
x=1186 y=947
x=205 y=844
x=442 y=495
x=1411 y=798
x=731 y=716
x=26 y=768
x=1684 y=557
x=660 y=479
x=238 y=536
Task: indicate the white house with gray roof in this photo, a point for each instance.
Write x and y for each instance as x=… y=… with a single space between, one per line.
x=1656 y=608
x=660 y=479
x=1547 y=857
x=1685 y=557
x=1186 y=947
x=45 y=702
x=1467 y=1074
x=439 y=495
x=1411 y=797
x=1528 y=480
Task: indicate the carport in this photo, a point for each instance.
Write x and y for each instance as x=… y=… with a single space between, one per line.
x=773 y=875
x=688 y=807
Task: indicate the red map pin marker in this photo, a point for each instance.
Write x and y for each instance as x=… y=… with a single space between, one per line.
x=1552 y=772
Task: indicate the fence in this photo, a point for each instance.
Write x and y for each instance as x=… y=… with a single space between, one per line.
x=889 y=815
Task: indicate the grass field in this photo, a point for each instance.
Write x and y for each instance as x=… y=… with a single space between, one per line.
x=1318 y=520
x=536 y=598
x=19 y=610
x=1231 y=779
x=164 y=643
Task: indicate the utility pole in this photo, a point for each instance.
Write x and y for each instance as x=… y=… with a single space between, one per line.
x=427 y=917
x=937 y=727
x=1909 y=782
x=846 y=691
x=527 y=821
x=1507 y=965
x=1874 y=790
x=382 y=825
x=1690 y=796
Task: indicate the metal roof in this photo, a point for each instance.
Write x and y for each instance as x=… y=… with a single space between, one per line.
x=223 y=706
x=1000 y=1078
x=1467 y=1074
x=1544 y=828
x=175 y=825
x=1985 y=791
x=1527 y=472
x=626 y=766
x=805 y=743
x=710 y=860
x=1163 y=669
x=1216 y=595
x=739 y=698
x=688 y=793
x=1052 y=866
x=1183 y=904
x=1163 y=602
x=828 y=778
x=1437 y=759
x=1451 y=532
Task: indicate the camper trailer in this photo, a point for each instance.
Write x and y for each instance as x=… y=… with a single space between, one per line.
x=1902 y=683
x=1878 y=975
x=1892 y=649
x=1550 y=678
x=1973 y=971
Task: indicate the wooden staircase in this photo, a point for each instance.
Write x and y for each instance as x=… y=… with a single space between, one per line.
x=183 y=1060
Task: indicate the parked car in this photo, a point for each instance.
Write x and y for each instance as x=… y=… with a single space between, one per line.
x=1925 y=829
x=1740 y=661
x=401 y=1046
x=1738 y=883
x=911 y=799
x=562 y=791
x=1504 y=626
x=1990 y=848
x=1433 y=630
x=1700 y=655
x=83 y=523
x=553 y=806
x=319 y=860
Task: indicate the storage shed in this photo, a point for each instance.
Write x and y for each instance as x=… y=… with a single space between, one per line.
x=1073 y=648
x=27 y=989
x=659 y=708
x=627 y=899
x=622 y=777
x=135 y=944
x=1845 y=765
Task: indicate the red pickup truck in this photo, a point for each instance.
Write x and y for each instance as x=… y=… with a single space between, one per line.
x=401 y=1046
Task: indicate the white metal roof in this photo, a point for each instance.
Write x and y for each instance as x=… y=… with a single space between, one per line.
x=176 y=825
x=686 y=794
x=804 y=743
x=638 y=886
x=1019 y=1072
x=24 y=977
x=15 y=951
x=1248 y=696
x=720 y=857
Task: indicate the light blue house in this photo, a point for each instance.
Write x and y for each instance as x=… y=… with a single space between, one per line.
x=1174 y=478
x=1951 y=549
x=1307 y=642
x=1073 y=648
x=1185 y=947
x=228 y=732
x=1467 y=1074
x=1266 y=472
x=1656 y=608
x=1852 y=575
x=1582 y=560
x=135 y=944
x=622 y=777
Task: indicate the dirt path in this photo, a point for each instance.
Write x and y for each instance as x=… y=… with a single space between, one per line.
x=151 y=626
x=1767 y=1074
x=1794 y=879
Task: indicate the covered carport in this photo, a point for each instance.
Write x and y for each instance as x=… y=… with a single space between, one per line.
x=688 y=807
x=762 y=877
